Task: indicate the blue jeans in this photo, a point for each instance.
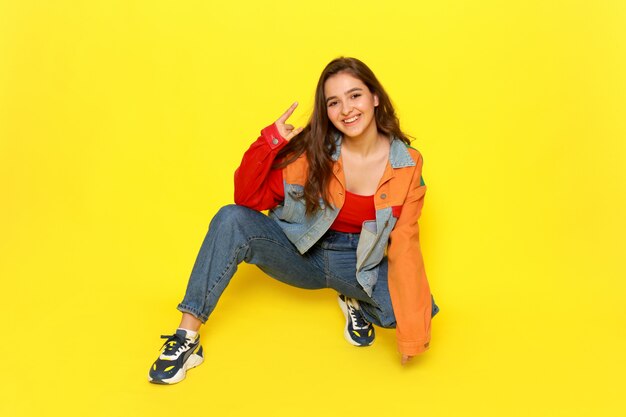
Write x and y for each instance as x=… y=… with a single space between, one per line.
x=237 y=234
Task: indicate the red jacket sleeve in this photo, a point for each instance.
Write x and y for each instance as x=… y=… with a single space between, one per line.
x=257 y=185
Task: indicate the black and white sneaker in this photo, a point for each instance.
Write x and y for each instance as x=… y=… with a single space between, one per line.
x=178 y=354
x=358 y=332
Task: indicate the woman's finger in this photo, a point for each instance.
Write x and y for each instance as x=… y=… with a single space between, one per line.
x=293 y=133
x=282 y=119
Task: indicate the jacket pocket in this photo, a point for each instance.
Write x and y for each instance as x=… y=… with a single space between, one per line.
x=294 y=210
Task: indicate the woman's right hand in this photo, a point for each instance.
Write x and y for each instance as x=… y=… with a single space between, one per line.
x=287 y=131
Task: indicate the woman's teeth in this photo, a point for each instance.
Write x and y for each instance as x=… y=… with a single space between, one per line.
x=350 y=120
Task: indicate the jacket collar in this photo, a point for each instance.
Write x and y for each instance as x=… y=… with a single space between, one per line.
x=399 y=156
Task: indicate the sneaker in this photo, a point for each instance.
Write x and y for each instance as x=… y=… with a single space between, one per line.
x=178 y=354
x=358 y=332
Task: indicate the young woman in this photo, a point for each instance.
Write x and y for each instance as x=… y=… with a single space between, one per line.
x=344 y=194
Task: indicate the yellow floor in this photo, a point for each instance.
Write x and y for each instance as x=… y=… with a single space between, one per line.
x=121 y=124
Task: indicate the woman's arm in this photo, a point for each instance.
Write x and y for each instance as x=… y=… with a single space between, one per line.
x=257 y=186
x=408 y=285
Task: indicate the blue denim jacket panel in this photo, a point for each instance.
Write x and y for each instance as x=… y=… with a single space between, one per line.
x=302 y=230
x=372 y=246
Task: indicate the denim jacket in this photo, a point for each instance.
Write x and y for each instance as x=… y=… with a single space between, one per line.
x=303 y=231
x=395 y=232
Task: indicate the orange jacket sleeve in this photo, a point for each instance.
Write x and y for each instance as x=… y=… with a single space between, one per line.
x=408 y=285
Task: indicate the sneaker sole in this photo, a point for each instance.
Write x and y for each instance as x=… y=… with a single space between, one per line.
x=346 y=332
x=193 y=361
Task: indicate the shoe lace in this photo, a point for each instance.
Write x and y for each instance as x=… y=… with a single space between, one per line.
x=358 y=321
x=173 y=344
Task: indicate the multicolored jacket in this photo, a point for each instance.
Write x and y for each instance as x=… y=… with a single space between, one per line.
x=395 y=232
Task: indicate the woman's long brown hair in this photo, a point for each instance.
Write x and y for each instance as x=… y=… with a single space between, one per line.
x=317 y=138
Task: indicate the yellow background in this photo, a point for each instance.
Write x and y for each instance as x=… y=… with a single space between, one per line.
x=121 y=123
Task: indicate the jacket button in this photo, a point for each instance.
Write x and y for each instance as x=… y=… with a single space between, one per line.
x=274 y=141
x=383 y=196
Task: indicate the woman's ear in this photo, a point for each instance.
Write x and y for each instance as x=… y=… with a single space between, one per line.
x=375 y=100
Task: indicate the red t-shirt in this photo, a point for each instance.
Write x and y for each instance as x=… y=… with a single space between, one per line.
x=356 y=209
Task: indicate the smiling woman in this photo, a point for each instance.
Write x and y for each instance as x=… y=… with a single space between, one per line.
x=345 y=193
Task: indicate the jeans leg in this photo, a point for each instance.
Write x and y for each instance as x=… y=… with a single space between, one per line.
x=340 y=254
x=340 y=259
x=237 y=234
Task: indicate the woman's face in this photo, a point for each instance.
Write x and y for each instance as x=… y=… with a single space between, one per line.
x=349 y=104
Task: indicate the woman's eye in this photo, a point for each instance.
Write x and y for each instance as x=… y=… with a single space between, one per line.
x=332 y=103
x=356 y=95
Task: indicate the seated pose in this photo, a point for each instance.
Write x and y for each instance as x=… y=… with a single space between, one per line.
x=344 y=195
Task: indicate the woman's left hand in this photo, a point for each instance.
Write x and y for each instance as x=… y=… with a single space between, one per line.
x=287 y=131
x=405 y=359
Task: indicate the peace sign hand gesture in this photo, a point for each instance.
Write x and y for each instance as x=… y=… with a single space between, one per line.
x=287 y=131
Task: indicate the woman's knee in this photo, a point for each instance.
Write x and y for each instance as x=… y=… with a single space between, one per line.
x=232 y=214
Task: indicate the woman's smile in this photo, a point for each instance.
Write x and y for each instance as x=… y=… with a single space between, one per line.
x=352 y=120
